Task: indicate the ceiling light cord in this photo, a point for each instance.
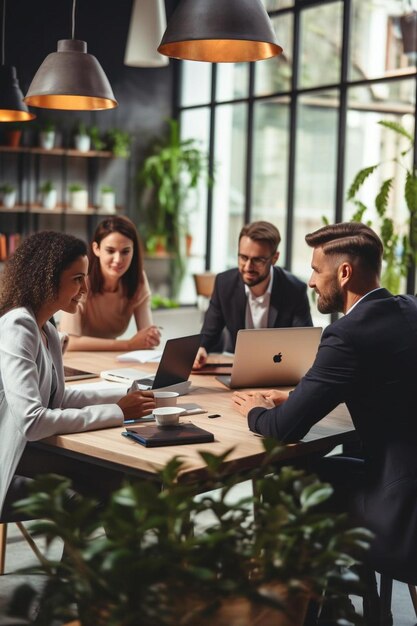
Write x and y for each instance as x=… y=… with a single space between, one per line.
x=3 y=34
x=74 y=2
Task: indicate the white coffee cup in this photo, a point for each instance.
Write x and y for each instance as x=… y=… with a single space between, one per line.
x=168 y=415
x=165 y=398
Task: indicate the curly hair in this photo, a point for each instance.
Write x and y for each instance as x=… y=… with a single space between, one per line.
x=133 y=277
x=31 y=276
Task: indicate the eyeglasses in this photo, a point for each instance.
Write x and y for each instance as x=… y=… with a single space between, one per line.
x=256 y=261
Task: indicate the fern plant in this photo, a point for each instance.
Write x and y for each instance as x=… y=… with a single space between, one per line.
x=396 y=265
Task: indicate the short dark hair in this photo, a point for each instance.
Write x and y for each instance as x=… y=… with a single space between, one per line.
x=262 y=231
x=353 y=239
x=133 y=278
x=31 y=276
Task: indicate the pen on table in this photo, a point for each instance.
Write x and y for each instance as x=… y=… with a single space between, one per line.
x=137 y=420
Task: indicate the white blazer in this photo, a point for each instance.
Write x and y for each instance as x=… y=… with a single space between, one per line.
x=25 y=391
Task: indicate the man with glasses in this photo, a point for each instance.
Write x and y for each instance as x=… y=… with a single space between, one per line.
x=254 y=295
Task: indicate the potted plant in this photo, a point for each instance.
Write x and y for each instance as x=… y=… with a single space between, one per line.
x=13 y=133
x=47 y=135
x=8 y=195
x=400 y=250
x=48 y=195
x=119 y=142
x=107 y=199
x=78 y=197
x=174 y=168
x=96 y=141
x=169 y=558
x=82 y=140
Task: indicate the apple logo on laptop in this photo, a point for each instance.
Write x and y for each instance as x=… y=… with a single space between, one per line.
x=277 y=358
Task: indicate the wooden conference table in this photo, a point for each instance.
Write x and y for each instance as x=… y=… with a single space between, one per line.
x=108 y=448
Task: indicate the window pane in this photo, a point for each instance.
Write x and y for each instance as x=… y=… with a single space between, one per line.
x=321 y=45
x=229 y=188
x=195 y=124
x=273 y=75
x=369 y=143
x=196 y=83
x=270 y=163
x=315 y=175
x=232 y=81
x=273 y=5
x=379 y=38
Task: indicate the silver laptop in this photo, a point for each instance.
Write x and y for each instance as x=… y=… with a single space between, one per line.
x=272 y=357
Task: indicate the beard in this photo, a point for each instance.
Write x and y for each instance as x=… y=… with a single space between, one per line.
x=255 y=280
x=332 y=301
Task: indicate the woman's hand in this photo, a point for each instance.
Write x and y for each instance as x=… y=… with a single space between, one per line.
x=146 y=338
x=137 y=404
x=244 y=402
x=277 y=397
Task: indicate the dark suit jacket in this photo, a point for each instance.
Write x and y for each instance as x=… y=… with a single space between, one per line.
x=368 y=359
x=288 y=307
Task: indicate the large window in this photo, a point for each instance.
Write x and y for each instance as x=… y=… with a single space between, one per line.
x=286 y=136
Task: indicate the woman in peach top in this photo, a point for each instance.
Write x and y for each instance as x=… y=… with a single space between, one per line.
x=117 y=289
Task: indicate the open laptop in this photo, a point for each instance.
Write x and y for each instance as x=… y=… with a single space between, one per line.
x=272 y=357
x=174 y=368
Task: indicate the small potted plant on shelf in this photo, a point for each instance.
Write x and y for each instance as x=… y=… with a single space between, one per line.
x=78 y=197
x=82 y=139
x=48 y=195
x=47 y=135
x=119 y=142
x=107 y=199
x=8 y=193
x=96 y=140
x=170 y=558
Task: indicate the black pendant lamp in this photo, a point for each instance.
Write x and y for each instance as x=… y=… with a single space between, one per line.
x=12 y=107
x=220 y=31
x=71 y=79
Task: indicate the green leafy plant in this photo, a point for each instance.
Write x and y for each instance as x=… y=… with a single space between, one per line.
x=81 y=128
x=76 y=187
x=47 y=186
x=174 y=167
x=155 y=565
x=161 y=302
x=400 y=251
x=47 y=126
x=107 y=189
x=119 y=142
x=96 y=140
x=7 y=188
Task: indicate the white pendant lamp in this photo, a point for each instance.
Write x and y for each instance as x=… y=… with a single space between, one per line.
x=147 y=25
x=71 y=79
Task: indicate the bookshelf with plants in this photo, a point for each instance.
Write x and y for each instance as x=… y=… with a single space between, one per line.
x=57 y=187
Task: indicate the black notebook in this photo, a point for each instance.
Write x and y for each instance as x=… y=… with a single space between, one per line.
x=150 y=435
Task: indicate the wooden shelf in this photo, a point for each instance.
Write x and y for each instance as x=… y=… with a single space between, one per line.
x=104 y=154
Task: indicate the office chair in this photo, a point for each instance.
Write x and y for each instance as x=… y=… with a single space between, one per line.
x=204 y=285
x=3 y=541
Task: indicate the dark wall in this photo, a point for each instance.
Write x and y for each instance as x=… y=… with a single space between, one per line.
x=145 y=95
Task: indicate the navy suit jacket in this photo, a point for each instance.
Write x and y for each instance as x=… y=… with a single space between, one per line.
x=368 y=359
x=289 y=306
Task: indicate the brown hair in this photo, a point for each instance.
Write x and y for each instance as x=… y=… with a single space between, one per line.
x=31 y=276
x=133 y=278
x=353 y=239
x=262 y=231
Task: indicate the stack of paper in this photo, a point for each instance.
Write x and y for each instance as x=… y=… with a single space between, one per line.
x=141 y=356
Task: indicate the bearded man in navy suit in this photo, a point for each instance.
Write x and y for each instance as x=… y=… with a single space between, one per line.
x=367 y=359
x=256 y=294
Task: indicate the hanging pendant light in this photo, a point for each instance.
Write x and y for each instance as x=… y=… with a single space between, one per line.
x=147 y=25
x=220 y=31
x=71 y=79
x=12 y=107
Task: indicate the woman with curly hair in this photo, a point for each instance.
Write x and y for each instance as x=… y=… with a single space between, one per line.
x=117 y=289
x=46 y=274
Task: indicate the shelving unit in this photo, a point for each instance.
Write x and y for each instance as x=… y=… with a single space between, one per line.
x=26 y=167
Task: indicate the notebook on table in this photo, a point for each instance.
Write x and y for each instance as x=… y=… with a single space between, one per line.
x=72 y=373
x=173 y=370
x=152 y=436
x=272 y=357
